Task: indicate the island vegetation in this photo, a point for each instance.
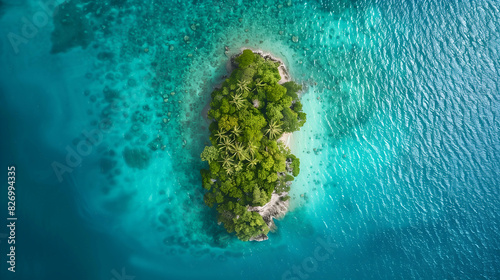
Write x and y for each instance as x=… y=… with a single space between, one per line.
x=249 y=113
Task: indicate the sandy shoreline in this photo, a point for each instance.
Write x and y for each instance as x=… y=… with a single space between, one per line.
x=286 y=139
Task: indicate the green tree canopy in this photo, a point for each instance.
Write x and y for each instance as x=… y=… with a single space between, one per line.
x=292 y=88
x=209 y=154
x=245 y=59
x=248 y=113
x=275 y=92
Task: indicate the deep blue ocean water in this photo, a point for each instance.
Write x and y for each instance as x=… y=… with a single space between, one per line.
x=101 y=113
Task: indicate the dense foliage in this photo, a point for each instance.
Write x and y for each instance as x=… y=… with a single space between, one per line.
x=247 y=163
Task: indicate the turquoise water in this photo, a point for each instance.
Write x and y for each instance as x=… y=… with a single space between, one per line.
x=399 y=156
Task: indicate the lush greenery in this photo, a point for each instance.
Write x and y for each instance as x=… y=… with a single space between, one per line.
x=247 y=163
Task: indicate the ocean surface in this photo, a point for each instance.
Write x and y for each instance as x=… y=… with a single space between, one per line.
x=101 y=114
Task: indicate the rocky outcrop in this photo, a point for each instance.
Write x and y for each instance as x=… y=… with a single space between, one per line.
x=261 y=237
x=276 y=208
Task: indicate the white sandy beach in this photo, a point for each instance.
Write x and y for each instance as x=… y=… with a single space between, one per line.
x=286 y=139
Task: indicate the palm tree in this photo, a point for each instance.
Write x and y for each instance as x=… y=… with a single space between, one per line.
x=227 y=161
x=253 y=162
x=229 y=170
x=238 y=101
x=226 y=143
x=239 y=151
x=236 y=131
x=273 y=130
x=252 y=148
x=221 y=134
x=259 y=84
x=242 y=86
x=238 y=167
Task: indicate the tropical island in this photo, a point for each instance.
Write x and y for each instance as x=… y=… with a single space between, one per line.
x=250 y=170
